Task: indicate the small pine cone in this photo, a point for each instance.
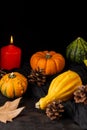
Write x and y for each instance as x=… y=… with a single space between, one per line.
x=37 y=77
x=2 y=73
x=54 y=110
x=80 y=95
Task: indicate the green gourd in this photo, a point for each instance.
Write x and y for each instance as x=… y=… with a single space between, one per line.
x=76 y=51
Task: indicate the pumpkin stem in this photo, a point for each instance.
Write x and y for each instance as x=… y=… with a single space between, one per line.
x=12 y=75
x=48 y=56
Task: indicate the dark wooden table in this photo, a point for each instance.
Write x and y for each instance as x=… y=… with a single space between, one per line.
x=33 y=119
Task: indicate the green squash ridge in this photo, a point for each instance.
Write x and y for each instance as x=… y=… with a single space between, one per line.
x=84 y=51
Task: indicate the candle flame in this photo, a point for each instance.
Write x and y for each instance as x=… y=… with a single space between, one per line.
x=11 y=40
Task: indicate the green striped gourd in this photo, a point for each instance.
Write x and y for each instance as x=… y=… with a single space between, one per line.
x=76 y=51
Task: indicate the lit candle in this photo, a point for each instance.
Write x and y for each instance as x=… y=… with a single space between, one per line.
x=10 y=56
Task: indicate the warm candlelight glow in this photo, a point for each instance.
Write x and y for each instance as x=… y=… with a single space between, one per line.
x=11 y=40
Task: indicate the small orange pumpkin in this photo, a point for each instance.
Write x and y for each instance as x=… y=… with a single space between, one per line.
x=49 y=61
x=13 y=85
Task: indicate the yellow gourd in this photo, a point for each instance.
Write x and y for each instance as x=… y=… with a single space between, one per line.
x=61 y=88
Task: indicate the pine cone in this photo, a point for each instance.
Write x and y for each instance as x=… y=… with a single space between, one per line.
x=54 y=110
x=37 y=77
x=80 y=95
x=2 y=73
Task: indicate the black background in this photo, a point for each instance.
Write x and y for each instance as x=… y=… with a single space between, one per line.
x=38 y=26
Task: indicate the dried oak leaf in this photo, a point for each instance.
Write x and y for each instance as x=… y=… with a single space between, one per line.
x=9 y=110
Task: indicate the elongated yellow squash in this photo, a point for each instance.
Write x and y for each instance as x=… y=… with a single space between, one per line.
x=61 y=87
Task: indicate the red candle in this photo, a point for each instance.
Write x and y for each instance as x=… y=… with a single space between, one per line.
x=10 y=56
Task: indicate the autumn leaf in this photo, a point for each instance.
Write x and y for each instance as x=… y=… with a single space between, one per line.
x=9 y=110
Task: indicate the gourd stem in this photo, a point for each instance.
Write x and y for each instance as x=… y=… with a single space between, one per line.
x=37 y=105
x=48 y=56
x=12 y=75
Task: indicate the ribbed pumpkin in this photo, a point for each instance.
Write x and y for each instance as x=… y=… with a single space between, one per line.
x=76 y=51
x=13 y=85
x=49 y=61
x=61 y=88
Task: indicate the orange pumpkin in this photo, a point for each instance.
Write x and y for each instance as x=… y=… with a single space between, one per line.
x=13 y=85
x=49 y=61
